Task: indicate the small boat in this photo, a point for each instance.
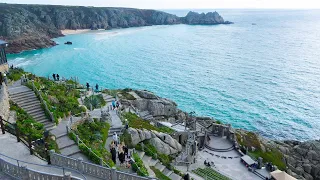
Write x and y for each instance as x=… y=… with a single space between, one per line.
x=254 y=24
x=68 y=42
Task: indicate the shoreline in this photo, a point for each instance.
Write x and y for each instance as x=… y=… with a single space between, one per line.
x=77 y=31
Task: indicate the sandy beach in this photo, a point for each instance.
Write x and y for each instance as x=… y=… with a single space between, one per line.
x=71 y=31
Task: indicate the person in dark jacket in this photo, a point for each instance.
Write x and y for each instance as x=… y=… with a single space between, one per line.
x=54 y=76
x=114 y=155
x=58 y=77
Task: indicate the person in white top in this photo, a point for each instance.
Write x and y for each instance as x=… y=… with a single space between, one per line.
x=115 y=138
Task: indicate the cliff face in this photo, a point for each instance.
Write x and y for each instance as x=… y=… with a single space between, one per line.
x=28 y=27
x=210 y=18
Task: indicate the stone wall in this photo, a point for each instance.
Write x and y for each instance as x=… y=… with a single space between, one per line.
x=4 y=102
x=4 y=67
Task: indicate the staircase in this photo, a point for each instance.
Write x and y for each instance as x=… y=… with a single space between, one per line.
x=148 y=161
x=66 y=145
x=28 y=101
x=112 y=130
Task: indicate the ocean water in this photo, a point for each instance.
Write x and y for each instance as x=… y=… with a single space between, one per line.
x=263 y=77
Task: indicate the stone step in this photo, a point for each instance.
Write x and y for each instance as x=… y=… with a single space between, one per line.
x=160 y=166
x=153 y=162
x=43 y=120
x=24 y=94
x=35 y=109
x=71 y=150
x=20 y=94
x=64 y=142
x=28 y=103
x=111 y=134
x=175 y=176
x=167 y=172
x=24 y=98
x=49 y=126
x=61 y=135
x=36 y=114
x=32 y=106
x=146 y=160
x=141 y=154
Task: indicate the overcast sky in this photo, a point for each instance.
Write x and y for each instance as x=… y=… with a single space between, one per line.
x=183 y=4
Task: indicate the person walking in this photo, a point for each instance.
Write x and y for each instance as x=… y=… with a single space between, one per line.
x=115 y=138
x=114 y=155
x=58 y=77
x=54 y=77
x=125 y=149
x=5 y=78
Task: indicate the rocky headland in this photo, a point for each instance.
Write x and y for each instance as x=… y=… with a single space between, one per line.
x=28 y=27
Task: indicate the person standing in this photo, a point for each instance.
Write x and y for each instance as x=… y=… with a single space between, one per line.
x=5 y=78
x=115 y=138
x=87 y=86
x=97 y=88
x=114 y=154
x=54 y=77
x=58 y=77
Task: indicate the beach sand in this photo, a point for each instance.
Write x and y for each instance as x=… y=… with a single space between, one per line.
x=71 y=31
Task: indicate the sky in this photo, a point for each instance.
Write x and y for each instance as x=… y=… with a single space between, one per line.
x=182 y=4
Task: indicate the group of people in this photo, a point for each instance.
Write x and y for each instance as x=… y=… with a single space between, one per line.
x=56 y=77
x=88 y=87
x=121 y=150
x=115 y=105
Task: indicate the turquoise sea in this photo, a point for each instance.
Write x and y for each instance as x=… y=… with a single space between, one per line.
x=263 y=77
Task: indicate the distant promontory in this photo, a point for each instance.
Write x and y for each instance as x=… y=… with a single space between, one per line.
x=28 y=27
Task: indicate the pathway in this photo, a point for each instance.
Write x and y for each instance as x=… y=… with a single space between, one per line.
x=12 y=151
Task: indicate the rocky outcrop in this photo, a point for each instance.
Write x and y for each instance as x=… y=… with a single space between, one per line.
x=28 y=27
x=209 y=18
x=164 y=143
x=302 y=158
x=155 y=105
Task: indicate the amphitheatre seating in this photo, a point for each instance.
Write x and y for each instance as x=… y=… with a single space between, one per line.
x=210 y=174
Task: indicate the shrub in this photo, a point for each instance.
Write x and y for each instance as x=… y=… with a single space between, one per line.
x=96 y=101
x=126 y=138
x=15 y=74
x=136 y=122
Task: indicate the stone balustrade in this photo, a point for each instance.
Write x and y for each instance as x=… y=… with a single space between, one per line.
x=24 y=173
x=93 y=170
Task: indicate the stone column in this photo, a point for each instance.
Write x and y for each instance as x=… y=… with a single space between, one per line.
x=24 y=172
x=67 y=176
x=80 y=165
x=114 y=173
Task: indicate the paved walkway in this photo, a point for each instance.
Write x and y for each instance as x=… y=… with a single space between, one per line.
x=12 y=151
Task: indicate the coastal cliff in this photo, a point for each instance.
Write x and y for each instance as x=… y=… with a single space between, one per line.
x=28 y=27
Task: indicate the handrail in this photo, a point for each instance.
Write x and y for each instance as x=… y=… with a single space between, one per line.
x=34 y=88
x=41 y=165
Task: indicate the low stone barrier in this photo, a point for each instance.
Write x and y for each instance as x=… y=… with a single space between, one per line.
x=94 y=170
x=22 y=172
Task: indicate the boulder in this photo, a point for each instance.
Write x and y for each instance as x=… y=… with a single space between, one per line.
x=146 y=94
x=307 y=176
x=162 y=147
x=147 y=134
x=135 y=137
x=141 y=135
x=307 y=168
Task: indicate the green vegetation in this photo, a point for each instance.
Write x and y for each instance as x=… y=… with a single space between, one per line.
x=136 y=122
x=210 y=174
x=126 y=95
x=97 y=101
x=94 y=135
x=159 y=174
x=61 y=99
x=126 y=138
x=273 y=156
x=15 y=74
x=26 y=124
x=250 y=139
x=139 y=168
